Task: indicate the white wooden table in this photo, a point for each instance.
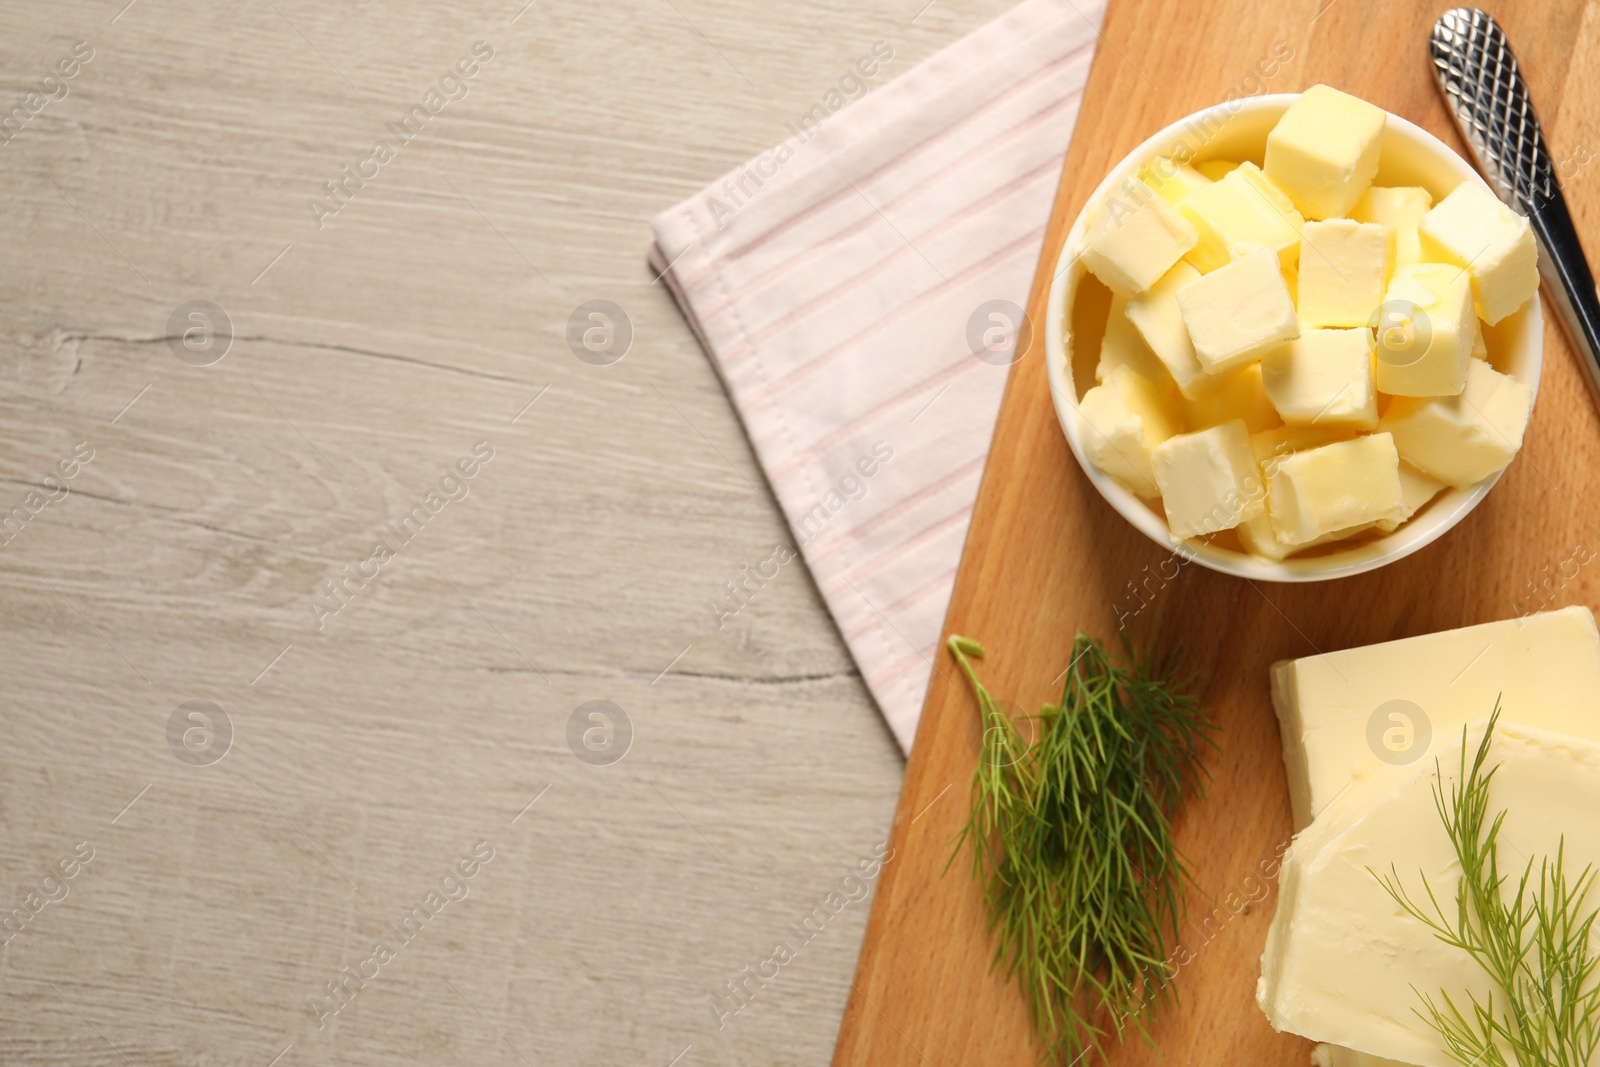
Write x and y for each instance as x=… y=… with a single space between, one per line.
x=177 y=516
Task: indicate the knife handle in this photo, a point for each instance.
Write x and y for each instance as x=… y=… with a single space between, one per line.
x=1483 y=86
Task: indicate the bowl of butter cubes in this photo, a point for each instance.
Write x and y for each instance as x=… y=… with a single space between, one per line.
x=1294 y=337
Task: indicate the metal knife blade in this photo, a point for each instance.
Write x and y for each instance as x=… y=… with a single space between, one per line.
x=1483 y=87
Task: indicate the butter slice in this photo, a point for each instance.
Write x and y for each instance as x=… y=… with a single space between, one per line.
x=1425 y=331
x=1400 y=208
x=1238 y=312
x=1324 y=151
x=1461 y=440
x=1136 y=238
x=1324 y=377
x=1239 y=394
x=1471 y=229
x=1344 y=267
x=1546 y=667
x=1208 y=480
x=1123 y=346
x=1156 y=316
x=1334 y=489
x=1172 y=180
x=1122 y=420
x=1238 y=214
x=1343 y=963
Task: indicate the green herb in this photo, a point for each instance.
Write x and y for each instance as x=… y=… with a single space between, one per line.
x=1071 y=841
x=1534 y=943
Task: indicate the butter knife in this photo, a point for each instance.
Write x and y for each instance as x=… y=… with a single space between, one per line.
x=1483 y=87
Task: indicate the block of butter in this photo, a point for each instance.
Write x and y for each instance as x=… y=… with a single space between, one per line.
x=1400 y=208
x=1238 y=214
x=1426 y=331
x=1238 y=394
x=1208 y=480
x=1239 y=312
x=1156 y=316
x=1335 y=488
x=1472 y=230
x=1323 y=377
x=1337 y=711
x=1324 y=151
x=1344 y=267
x=1135 y=239
x=1335 y=1056
x=1464 y=439
x=1123 y=346
x=1122 y=420
x=1172 y=180
x=1343 y=963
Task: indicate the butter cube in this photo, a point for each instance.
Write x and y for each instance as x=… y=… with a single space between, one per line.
x=1334 y=488
x=1156 y=316
x=1425 y=331
x=1471 y=229
x=1270 y=448
x=1400 y=208
x=1136 y=238
x=1209 y=480
x=1324 y=151
x=1216 y=169
x=1121 y=421
x=1238 y=214
x=1344 y=267
x=1172 y=180
x=1237 y=394
x=1122 y=346
x=1324 y=377
x=1463 y=439
x=1238 y=312
x=1416 y=489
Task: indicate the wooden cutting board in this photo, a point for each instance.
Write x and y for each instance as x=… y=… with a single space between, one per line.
x=1046 y=557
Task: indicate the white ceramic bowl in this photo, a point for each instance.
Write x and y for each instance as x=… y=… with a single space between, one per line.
x=1410 y=156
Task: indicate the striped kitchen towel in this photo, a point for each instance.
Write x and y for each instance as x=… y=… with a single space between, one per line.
x=857 y=287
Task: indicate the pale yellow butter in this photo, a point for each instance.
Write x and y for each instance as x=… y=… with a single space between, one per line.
x=1156 y=316
x=1239 y=394
x=1123 y=346
x=1334 y=488
x=1338 y=736
x=1324 y=377
x=1343 y=963
x=1400 y=208
x=1471 y=229
x=1136 y=238
x=1344 y=268
x=1171 y=179
x=1238 y=214
x=1426 y=331
x=1208 y=480
x=1464 y=439
x=1270 y=447
x=1416 y=489
x=1324 y=151
x=1121 y=421
x=1216 y=169
x=1238 y=312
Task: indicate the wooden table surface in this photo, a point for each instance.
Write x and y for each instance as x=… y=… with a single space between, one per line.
x=178 y=516
x=1046 y=557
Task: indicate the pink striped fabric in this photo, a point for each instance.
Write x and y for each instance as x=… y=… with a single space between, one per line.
x=832 y=282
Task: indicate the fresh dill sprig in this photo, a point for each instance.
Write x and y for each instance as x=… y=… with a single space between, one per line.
x=1071 y=841
x=1533 y=943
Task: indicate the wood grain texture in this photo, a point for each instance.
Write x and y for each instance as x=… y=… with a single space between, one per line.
x=370 y=354
x=1046 y=557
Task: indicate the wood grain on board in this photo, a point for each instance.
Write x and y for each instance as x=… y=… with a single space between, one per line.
x=1046 y=557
